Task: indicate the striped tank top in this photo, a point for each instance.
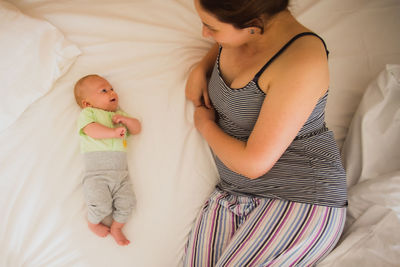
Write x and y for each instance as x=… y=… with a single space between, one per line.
x=309 y=171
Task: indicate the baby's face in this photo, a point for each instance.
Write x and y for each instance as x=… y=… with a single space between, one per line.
x=100 y=94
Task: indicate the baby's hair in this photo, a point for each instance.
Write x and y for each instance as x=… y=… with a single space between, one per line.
x=78 y=92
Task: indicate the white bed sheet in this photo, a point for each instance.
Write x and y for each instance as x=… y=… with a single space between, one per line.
x=145 y=49
x=372 y=161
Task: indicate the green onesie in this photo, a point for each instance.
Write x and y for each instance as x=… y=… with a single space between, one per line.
x=106 y=183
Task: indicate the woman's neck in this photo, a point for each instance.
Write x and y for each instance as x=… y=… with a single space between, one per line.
x=277 y=30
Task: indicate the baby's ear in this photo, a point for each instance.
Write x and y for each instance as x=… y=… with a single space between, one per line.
x=85 y=104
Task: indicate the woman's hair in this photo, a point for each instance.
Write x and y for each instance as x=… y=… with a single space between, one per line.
x=244 y=13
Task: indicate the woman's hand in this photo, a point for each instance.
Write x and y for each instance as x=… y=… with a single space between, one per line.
x=197 y=83
x=202 y=116
x=196 y=87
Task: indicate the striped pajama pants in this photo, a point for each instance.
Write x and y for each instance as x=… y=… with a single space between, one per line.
x=248 y=231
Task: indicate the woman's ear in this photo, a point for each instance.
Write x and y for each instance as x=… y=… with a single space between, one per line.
x=256 y=26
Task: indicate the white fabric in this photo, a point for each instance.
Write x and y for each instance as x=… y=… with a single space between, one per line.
x=372 y=159
x=372 y=241
x=33 y=55
x=375 y=130
x=362 y=39
x=145 y=49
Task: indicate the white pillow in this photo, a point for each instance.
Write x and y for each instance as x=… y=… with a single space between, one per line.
x=33 y=55
x=372 y=145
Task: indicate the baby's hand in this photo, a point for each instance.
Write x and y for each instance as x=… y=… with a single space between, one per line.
x=119 y=132
x=118 y=119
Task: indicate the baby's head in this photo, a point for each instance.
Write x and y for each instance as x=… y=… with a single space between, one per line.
x=95 y=91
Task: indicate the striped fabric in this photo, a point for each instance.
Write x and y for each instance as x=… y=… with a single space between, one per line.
x=309 y=171
x=249 y=231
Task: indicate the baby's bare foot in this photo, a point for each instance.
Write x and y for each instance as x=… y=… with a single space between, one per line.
x=116 y=232
x=99 y=229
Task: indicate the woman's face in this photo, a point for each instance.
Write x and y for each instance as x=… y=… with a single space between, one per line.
x=223 y=33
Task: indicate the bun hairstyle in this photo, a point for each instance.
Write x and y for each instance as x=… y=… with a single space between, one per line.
x=244 y=13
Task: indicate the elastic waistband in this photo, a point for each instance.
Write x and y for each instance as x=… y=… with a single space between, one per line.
x=105 y=160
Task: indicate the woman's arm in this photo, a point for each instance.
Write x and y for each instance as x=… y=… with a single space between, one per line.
x=196 y=85
x=292 y=96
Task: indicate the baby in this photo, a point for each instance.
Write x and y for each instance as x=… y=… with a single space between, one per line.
x=103 y=128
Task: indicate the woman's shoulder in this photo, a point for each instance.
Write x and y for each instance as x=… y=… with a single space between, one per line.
x=306 y=46
x=305 y=58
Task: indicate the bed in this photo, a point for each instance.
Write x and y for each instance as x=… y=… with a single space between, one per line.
x=146 y=49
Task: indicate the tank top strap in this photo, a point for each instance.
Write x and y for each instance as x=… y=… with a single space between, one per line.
x=257 y=76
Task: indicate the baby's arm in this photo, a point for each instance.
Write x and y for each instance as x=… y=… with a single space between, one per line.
x=132 y=124
x=99 y=131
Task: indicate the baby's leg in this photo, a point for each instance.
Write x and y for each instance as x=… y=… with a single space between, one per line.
x=123 y=203
x=99 y=229
x=99 y=204
x=116 y=232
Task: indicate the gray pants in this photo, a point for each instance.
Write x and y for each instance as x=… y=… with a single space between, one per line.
x=107 y=186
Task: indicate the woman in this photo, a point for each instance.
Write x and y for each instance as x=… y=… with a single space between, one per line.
x=281 y=199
